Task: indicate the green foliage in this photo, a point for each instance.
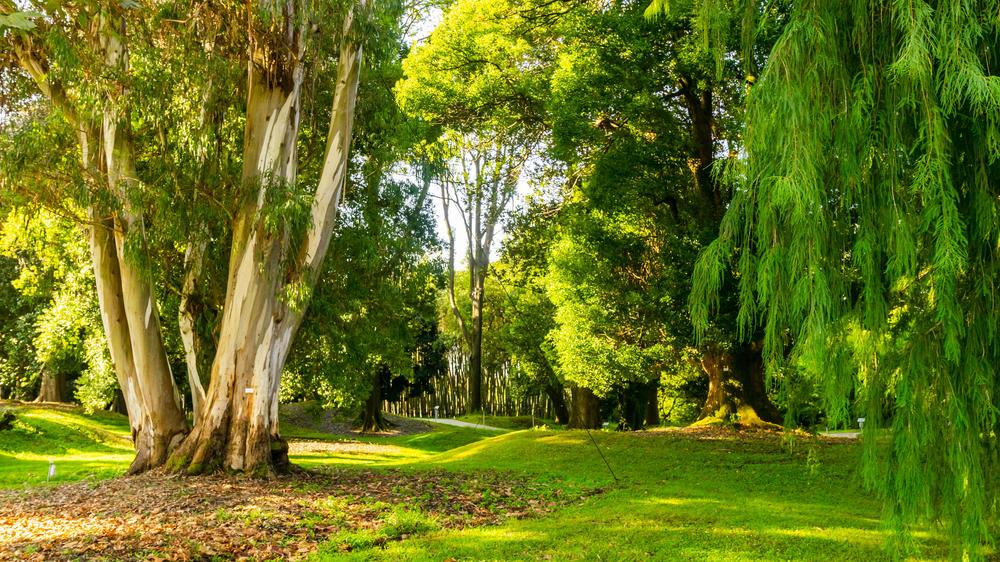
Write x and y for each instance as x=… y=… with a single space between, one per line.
x=865 y=220
x=479 y=70
x=375 y=297
x=19 y=20
x=55 y=295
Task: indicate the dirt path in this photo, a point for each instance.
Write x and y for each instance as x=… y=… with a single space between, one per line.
x=459 y=423
x=841 y=435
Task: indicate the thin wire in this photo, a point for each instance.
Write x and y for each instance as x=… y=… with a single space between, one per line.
x=596 y=446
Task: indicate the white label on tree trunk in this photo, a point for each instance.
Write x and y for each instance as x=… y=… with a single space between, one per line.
x=248 y=390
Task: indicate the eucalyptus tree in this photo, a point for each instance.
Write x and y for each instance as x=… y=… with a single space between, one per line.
x=278 y=229
x=86 y=62
x=865 y=228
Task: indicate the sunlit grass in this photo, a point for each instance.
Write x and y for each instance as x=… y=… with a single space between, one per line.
x=507 y=422
x=675 y=498
x=665 y=496
x=80 y=446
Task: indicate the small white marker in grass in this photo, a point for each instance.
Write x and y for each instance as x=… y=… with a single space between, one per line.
x=52 y=470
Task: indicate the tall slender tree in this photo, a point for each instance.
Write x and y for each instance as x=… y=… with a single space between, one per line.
x=479 y=181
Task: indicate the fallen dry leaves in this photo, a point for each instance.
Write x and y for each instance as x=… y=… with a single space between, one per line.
x=160 y=517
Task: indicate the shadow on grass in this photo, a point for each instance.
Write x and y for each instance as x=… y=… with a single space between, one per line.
x=648 y=524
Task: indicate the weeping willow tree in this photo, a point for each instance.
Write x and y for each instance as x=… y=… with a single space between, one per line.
x=864 y=233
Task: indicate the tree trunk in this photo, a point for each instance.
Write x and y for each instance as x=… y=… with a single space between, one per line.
x=633 y=402
x=239 y=428
x=187 y=315
x=127 y=308
x=653 y=404
x=736 y=390
x=160 y=423
x=476 y=348
x=372 y=420
x=554 y=390
x=53 y=387
x=586 y=409
x=154 y=416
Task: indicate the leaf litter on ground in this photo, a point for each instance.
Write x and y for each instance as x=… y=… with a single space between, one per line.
x=156 y=516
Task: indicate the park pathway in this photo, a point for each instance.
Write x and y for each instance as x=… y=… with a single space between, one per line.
x=459 y=423
x=841 y=435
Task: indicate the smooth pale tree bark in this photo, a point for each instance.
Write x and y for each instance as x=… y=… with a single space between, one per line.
x=239 y=426
x=154 y=416
x=187 y=315
x=155 y=383
x=153 y=431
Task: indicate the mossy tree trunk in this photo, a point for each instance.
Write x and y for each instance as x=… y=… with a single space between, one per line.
x=736 y=388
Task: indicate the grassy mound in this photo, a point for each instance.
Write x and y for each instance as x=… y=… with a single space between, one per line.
x=82 y=446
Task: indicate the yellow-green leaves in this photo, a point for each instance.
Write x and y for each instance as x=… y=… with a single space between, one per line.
x=24 y=21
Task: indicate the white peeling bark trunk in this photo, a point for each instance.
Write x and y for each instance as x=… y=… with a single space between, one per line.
x=240 y=429
x=112 y=307
x=187 y=316
x=128 y=310
x=162 y=421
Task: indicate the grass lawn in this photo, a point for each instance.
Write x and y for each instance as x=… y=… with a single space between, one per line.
x=462 y=494
x=82 y=447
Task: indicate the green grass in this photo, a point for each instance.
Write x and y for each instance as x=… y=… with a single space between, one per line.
x=81 y=446
x=672 y=497
x=676 y=498
x=507 y=422
x=389 y=450
x=98 y=446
